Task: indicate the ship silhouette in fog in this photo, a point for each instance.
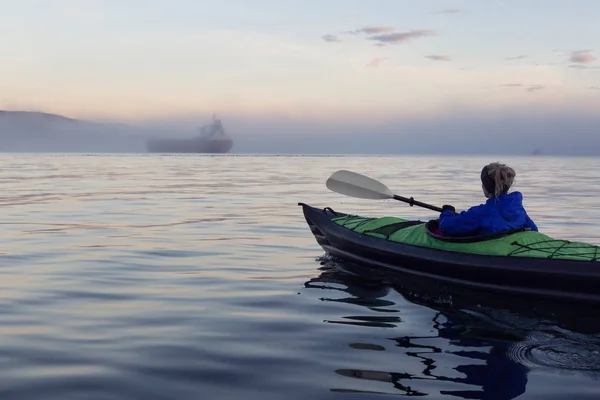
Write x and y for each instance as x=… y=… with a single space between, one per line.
x=212 y=139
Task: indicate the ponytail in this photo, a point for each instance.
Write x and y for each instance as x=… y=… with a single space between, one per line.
x=497 y=178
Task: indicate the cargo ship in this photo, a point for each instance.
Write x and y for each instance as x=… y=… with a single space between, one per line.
x=212 y=139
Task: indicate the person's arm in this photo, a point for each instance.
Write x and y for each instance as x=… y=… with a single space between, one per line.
x=460 y=224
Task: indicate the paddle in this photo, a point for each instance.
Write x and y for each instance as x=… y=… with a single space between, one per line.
x=356 y=185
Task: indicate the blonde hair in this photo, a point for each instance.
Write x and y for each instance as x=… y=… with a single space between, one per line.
x=502 y=175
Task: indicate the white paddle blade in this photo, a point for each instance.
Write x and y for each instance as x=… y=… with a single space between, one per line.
x=356 y=185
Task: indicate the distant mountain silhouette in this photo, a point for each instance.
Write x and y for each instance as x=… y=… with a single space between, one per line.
x=29 y=114
x=29 y=131
x=33 y=118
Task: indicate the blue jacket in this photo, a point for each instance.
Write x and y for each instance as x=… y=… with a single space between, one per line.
x=498 y=214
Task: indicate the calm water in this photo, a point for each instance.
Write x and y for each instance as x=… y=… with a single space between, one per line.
x=194 y=277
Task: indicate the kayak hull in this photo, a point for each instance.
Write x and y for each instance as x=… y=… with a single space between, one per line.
x=545 y=278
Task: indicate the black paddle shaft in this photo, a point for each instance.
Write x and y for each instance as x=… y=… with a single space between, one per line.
x=413 y=202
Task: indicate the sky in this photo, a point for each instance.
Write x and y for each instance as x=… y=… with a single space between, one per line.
x=330 y=62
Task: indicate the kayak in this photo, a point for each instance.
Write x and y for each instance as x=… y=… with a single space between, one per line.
x=523 y=263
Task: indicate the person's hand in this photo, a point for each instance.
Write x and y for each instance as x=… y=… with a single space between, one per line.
x=449 y=208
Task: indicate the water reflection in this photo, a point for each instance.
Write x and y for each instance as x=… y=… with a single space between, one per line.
x=473 y=352
x=498 y=376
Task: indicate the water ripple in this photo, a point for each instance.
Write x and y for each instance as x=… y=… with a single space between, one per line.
x=546 y=349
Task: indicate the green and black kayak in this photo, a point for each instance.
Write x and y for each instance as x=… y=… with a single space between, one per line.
x=520 y=262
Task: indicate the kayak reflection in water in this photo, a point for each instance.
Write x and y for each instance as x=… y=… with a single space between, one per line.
x=480 y=349
x=494 y=373
x=502 y=211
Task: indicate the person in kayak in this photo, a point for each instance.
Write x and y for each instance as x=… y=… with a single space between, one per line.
x=501 y=212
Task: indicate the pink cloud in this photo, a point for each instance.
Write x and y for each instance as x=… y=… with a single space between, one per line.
x=516 y=58
x=376 y=29
x=401 y=37
x=376 y=61
x=371 y=30
x=439 y=58
x=582 y=56
x=331 y=38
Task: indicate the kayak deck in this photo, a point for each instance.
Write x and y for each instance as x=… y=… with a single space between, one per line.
x=566 y=278
x=518 y=243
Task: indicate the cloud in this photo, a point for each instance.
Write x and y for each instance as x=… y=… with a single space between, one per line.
x=376 y=61
x=450 y=11
x=595 y=87
x=376 y=29
x=401 y=37
x=516 y=58
x=439 y=58
x=582 y=57
x=577 y=66
x=533 y=88
x=331 y=38
x=372 y=30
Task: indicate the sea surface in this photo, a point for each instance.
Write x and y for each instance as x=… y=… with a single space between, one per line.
x=196 y=277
